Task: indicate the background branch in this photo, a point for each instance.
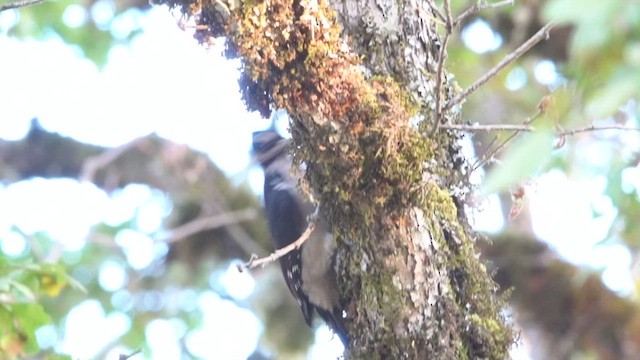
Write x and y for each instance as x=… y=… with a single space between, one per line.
x=95 y=163
x=480 y=5
x=530 y=128
x=19 y=4
x=210 y=223
x=539 y=36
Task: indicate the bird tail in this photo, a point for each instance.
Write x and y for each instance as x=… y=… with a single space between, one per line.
x=336 y=322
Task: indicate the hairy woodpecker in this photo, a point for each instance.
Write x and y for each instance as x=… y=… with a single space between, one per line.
x=309 y=271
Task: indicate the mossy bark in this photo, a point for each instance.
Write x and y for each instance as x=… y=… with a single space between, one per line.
x=353 y=76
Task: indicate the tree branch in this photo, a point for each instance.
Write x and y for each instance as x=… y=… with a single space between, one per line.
x=91 y=165
x=480 y=5
x=525 y=127
x=596 y=128
x=194 y=184
x=529 y=128
x=439 y=18
x=539 y=36
x=441 y=60
x=126 y=357
x=254 y=261
x=209 y=223
x=19 y=4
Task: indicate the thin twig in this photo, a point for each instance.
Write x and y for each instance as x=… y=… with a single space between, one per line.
x=103 y=240
x=490 y=154
x=539 y=36
x=488 y=128
x=51 y=255
x=441 y=60
x=477 y=162
x=439 y=81
x=254 y=261
x=436 y=12
x=543 y=106
x=248 y=244
x=529 y=128
x=480 y=5
x=596 y=128
x=126 y=357
x=209 y=223
x=19 y=4
x=526 y=128
x=447 y=9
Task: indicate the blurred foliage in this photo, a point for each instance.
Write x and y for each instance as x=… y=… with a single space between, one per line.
x=595 y=83
x=518 y=163
x=604 y=50
x=35 y=292
x=93 y=27
x=24 y=282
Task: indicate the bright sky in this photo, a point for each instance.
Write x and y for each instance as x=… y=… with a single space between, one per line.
x=128 y=99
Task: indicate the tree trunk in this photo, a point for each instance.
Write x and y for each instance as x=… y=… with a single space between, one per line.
x=354 y=76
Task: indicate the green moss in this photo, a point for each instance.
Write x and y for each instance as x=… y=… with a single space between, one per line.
x=474 y=292
x=367 y=166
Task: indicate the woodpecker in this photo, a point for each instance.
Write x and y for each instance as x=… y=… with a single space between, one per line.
x=308 y=271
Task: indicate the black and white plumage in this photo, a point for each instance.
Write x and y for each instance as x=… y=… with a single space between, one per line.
x=309 y=271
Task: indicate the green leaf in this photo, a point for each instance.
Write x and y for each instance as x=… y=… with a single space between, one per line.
x=587 y=39
x=580 y=12
x=523 y=159
x=621 y=87
x=58 y=357
x=5 y=319
x=30 y=317
x=592 y=20
x=632 y=54
x=24 y=293
x=76 y=285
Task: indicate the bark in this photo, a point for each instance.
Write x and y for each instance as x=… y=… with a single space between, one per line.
x=412 y=285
